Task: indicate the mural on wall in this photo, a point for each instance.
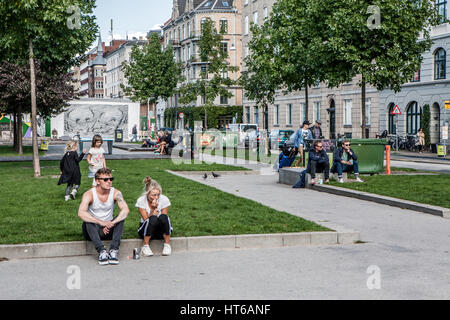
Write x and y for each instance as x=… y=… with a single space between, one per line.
x=87 y=120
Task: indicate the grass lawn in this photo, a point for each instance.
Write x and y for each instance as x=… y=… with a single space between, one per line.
x=8 y=151
x=33 y=209
x=429 y=189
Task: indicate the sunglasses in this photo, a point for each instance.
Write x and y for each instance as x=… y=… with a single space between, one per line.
x=106 y=179
x=347 y=145
x=319 y=146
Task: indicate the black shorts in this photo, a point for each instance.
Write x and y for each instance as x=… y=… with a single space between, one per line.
x=155 y=227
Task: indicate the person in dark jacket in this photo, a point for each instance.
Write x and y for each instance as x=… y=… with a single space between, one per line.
x=70 y=169
x=345 y=160
x=318 y=161
x=316 y=130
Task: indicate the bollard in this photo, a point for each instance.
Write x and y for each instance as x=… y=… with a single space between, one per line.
x=388 y=160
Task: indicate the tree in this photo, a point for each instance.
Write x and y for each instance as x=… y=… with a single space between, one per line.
x=53 y=90
x=152 y=73
x=214 y=80
x=53 y=31
x=382 y=42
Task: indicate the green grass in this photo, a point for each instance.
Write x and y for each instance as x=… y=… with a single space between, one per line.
x=33 y=209
x=428 y=189
x=9 y=151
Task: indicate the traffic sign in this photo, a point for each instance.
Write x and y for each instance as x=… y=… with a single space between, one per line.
x=181 y=115
x=396 y=110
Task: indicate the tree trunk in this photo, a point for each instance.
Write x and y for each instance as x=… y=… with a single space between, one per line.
x=36 y=165
x=306 y=103
x=363 y=108
x=14 y=131
x=19 y=146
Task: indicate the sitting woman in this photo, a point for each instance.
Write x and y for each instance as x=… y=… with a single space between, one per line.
x=155 y=224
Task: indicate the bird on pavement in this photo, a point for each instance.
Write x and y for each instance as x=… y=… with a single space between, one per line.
x=205 y=176
x=215 y=175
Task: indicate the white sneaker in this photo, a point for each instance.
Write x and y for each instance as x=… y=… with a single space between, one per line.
x=167 y=250
x=73 y=194
x=146 y=251
x=358 y=179
x=340 y=180
x=66 y=198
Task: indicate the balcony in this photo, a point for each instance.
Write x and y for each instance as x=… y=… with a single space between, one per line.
x=174 y=43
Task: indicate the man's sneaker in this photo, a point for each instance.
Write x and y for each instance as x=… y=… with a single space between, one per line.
x=340 y=180
x=358 y=179
x=73 y=194
x=167 y=250
x=146 y=251
x=103 y=258
x=66 y=198
x=113 y=257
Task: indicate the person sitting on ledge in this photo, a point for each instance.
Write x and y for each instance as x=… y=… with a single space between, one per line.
x=318 y=161
x=345 y=160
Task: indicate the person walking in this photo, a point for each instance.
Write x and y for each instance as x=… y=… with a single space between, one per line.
x=96 y=157
x=134 y=133
x=70 y=169
x=421 y=136
x=299 y=140
x=316 y=130
x=96 y=211
x=153 y=207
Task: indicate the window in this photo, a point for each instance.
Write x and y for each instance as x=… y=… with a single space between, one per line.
x=302 y=112
x=245 y=2
x=255 y=17
x=413 y=118
x=224 y=47
x=246 y=51
x=223 y=25
x=368 y=105
x=204 y=72
x=316 y=111
x=348 y=112
x=416 y=76
x=391 y=120
x=247 y=114
x=246 y=25
x=439 y=64
x=289 y=114
x=265 y=12
x=276 y=115
x=223 y=100
x=256 y=114
x=441 y=8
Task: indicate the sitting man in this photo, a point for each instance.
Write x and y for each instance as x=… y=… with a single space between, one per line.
x=318 y=161
x=345 y=160
x=96 y=210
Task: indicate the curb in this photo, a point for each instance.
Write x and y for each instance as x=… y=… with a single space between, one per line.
x=182 y=244
x=404 y=204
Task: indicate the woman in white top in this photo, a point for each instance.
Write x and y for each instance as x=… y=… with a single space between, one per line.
x=153 y=207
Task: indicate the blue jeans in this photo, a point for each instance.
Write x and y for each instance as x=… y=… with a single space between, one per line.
x=346 y=168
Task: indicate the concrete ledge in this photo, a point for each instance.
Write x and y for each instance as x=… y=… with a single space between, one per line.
x=400 y=203
x=182 y=244
x=291 y=175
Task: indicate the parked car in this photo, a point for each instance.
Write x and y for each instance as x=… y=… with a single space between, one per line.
x=277 y=137
x=166 y=129
x=242 y=129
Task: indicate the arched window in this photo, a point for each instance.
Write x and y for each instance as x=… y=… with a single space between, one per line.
x=413 y=118
x=439 y=64
x=392 y=129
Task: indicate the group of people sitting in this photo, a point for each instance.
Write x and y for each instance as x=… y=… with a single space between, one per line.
x=162 y=142
x=344 y=160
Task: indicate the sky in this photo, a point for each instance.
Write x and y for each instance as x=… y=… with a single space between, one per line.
x=135 y=17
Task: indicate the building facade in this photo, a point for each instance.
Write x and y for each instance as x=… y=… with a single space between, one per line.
x=338 y=109
x=183 y=32
x=429 y=86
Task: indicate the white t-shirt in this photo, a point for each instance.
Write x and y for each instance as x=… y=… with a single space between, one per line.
x=96 y=158
x=142 y=202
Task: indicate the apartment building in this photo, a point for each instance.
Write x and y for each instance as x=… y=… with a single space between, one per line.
x=429 y=86
x=183 y=32
x=338 y=109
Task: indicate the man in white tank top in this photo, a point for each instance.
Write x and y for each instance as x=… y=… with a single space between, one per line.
x=96 y=210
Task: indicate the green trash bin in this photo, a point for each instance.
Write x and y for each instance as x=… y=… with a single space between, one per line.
x=370 y=153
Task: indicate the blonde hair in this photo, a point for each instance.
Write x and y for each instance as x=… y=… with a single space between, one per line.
x=151 y=184
x=70 y=145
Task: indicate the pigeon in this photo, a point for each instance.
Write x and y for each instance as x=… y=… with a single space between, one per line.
x=215 y=175
x=205 y=176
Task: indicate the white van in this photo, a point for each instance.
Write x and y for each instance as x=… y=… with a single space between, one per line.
x=243 y=129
